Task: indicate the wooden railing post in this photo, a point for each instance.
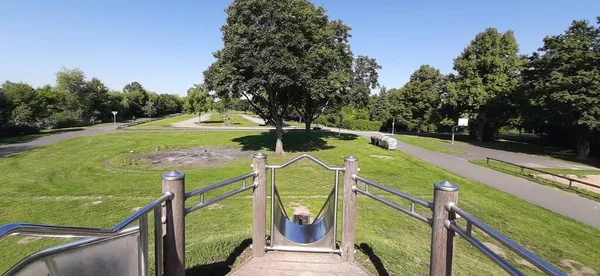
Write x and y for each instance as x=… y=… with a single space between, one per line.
x=259 y=205
x=174 y=224
x=442 y=239
x=349 y=211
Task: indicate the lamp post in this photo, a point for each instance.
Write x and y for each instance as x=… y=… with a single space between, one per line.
x=115 y=120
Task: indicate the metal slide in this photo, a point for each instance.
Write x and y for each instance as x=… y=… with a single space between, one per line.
x=316 y=235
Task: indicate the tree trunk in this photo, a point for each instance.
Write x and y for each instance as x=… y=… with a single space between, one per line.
x=199 y=117
x=480 y=131
x=279 y=133
x=583 y=148
x=307 y=123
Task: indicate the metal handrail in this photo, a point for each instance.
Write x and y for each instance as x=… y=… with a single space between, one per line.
x=40 y=230
x=303 y=156
x=544 y=172
x=411 y=213
x=408 y=197
x=512 y=245
x=394 y=192
x=219 y=184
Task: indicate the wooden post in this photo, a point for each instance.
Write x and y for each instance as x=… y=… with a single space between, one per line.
x=442 y=239
x=259 y=208
x=174 y=213
x=349 y=212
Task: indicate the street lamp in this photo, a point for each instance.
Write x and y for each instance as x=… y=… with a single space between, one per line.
x=115 y=119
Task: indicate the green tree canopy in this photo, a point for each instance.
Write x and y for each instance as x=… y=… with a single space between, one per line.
x=198 y=100
x=268 y=58
x=488 y=73
x=562 y=86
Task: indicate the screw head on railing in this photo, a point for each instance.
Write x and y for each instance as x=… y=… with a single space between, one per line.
x=351 y=158
x=445 y=186
x=173 y=175
x=259 y=155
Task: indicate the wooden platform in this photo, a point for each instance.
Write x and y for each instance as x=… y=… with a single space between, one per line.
x=291 y=263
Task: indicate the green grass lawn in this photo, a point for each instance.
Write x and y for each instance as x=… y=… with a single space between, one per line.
x=429 y=143
x=530 y=175
x=216 y=119
x=63 y=183
x=166 y=122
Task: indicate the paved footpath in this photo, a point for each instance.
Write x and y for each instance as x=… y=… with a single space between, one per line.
x=564 y=203
x=10 y=149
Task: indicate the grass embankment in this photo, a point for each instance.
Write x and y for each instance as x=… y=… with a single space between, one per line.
x=66 y=183
x=430 y=143
x=531 y=176
x=166 y=122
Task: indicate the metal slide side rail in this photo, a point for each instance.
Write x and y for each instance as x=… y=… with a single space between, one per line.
x=303 y=156
x=53 y=231
x=202 y=191
x=512 y=245
x=571 y=180
x=413 y=199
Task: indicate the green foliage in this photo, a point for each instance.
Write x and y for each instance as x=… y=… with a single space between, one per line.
x=366 y=78
x=488 y=73
x=416 y=104
x=361 y=124
x=271 y=50
x=198 y=100
x=380 y=110
x=562 y=87
x=26 y=108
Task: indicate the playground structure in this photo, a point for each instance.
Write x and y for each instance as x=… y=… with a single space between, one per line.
x=123 y=249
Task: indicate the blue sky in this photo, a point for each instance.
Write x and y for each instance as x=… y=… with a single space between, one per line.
x=165 y=45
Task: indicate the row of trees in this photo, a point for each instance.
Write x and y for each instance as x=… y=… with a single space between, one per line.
x=554 y=92
x=75 y=101
x=288 y=59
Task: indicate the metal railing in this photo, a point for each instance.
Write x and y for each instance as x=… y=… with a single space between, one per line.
x=444 y=227
x=571 y=180
x=170 y=212
x=413 y=200
x=512 y=245
x=202 y=191
x=54 y=231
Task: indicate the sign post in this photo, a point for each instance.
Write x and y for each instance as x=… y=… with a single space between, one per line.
x=461 y=122
x=115 y=119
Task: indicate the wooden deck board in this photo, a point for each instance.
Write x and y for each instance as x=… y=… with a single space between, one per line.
x=292 y=263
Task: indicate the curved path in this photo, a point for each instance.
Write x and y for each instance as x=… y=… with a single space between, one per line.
x=192 y=122
x=10 y=149
x=564 y=203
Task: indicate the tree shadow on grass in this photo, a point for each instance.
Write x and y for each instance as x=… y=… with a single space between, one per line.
x=222 y=267
x=293 y=141
x=375 y=260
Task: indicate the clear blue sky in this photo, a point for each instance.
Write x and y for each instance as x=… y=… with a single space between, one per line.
x=165 y=45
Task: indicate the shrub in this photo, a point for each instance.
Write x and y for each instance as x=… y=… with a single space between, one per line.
x=364 y=125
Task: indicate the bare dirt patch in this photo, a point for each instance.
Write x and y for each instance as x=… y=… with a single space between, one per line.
x=159 y=159
x=577 y=268
x=27 y=240
x=594 y=179
x=214 y=206
x=526 y=263
x=495 y=249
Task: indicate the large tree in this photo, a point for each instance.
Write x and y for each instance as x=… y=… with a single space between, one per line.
x=266 y=56
x=488 y=72
x=365 y=78
x=562 y=84
x=420 y=97
x=329 y=67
